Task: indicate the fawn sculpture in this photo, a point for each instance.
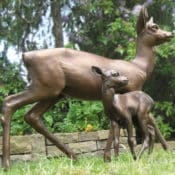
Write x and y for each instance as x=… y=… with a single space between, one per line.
x=123 y=109
x=57 y=72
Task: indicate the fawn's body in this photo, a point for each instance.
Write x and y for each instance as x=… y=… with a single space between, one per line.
x=123 y=109
x=136 y=106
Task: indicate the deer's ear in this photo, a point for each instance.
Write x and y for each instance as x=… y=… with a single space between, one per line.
x=142 y=19
x=97 y=70
x=151 y=20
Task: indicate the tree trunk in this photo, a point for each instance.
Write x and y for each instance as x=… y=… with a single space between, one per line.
x=57 y=22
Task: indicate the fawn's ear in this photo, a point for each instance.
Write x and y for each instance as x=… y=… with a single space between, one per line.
x=97 y=70
x=142 y=19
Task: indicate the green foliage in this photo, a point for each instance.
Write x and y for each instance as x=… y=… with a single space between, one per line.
x=11 y=82
x=163 y=78
x=74 y=115
x=19 y=19
x=123 y=32
x=99 y=27
x=161 y=10
x=164 y=112
x=18 y=125
x=53 y=118
x=165 y=128
x=10 y=79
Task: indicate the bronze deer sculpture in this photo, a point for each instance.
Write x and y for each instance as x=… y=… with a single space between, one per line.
x=57 y=72
x=123 y=109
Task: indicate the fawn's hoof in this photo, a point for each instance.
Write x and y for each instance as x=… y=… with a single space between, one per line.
x=107 y=158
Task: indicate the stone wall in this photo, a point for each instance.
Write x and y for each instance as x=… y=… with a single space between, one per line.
x=31 y=147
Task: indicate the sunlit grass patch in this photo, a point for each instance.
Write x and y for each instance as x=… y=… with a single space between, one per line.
x=158 y=163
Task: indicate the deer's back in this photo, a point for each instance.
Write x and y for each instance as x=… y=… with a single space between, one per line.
x=70 y=70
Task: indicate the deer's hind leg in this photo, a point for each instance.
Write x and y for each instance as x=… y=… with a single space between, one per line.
x=34 y=118
x=10 y=105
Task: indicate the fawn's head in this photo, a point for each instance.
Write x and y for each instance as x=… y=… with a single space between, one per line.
x=149 y=32
x=110 y=78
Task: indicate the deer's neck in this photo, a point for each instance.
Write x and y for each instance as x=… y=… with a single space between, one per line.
x=107 y=96
x=145 y=57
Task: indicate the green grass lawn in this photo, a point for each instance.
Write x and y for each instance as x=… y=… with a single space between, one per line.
x=158 y=163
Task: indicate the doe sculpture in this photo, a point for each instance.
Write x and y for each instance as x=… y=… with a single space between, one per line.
x=54 y=73
x=123 y=109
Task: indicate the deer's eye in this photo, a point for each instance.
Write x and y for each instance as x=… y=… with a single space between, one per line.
x=155 y=27
x=115 y=74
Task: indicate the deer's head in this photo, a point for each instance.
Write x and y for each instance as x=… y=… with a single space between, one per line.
x=110 y=78
x=149 y=32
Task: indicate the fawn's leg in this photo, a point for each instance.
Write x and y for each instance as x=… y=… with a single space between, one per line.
x=151 y=131
x=158 y=133
x=143 y=125
x=107 y=151
x=116 y=133
x=131 y=140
